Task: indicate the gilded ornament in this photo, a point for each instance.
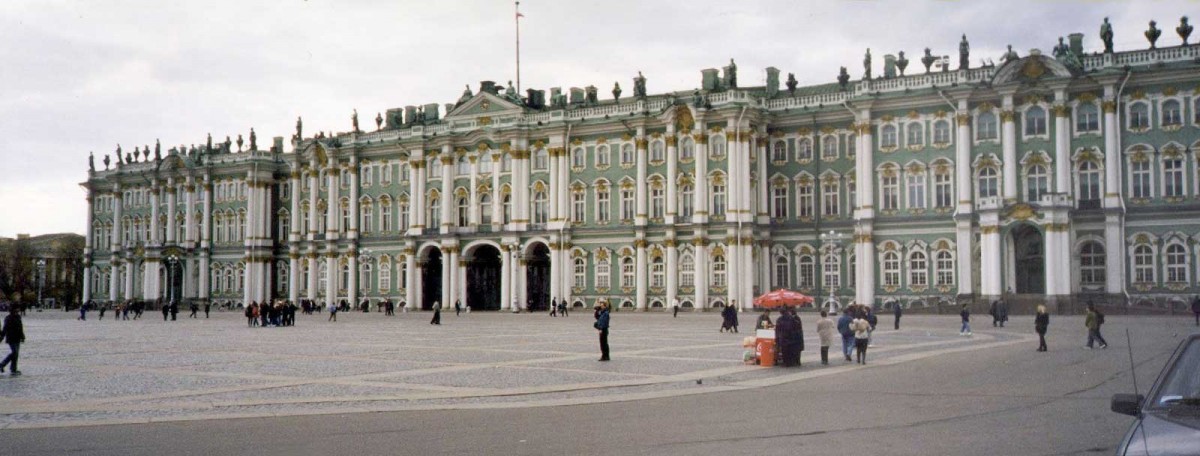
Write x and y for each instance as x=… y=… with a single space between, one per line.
x=1086 y=97
x=1021 y=211
x=913 y=114
x=1109 y=106
x=672 y=141
x=1033 y=68
x=1138 y=94
x=1006 y=115
x=964 y=119
x=1170 y=91
x=1061 y=110
x=989 y=229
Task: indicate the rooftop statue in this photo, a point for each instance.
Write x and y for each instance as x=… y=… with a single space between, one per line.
x=1153 y=33
x=697 y=99
x=299 y=128
x=964 y=51
x=253 y=140
x=928 y=60
x=616 y=91
x=511 y=93
x=867 y=66
x=844 y=79
x=466 y=95
x=91 y=162
x=1009 y=56
x=157 y=151
x=146 y=153
x=791 y=84
x=1060 y=49
x=106 y=161
x=128 y=159
x=639 y=86
x=227 y=144
x=208 y=143
x=239 y=142
x=902 y=63
x=353 y=121
x=731 y=75
x=378 y=121
x=1184 y=30
x=1064 y=54
x=1106 y=35
x=136 y=152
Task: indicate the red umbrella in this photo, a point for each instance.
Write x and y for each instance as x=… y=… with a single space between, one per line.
x=782 y=298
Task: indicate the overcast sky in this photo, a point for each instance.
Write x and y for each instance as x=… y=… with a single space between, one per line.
x=85 y=75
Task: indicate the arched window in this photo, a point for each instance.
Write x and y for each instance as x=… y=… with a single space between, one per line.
x=781 y=272
x=1091 y=264
x=485 y=162
x=779 y=151
x=485 y=209
x=1089 y=183
x=435 y=210
x=1087 y=118
x=1035 y=121
x=658 y=273
x=1139 y=116
x=850 y=265
x=915 y=134
x=829 y=147
x=1176 y=268
x=627 y=155
x=805 y=272
x=1143 y=264
x=1037 y=183
x=941 y=132
x=887 y=136
x=578 y=159
x=364 y=277
x=918 y=269
x=718 y=271
x=1172 y=115
x=804 y=150
x=985 y=126
x=944 y=268
x=580 y=274
x=603 y=156
x=687 y=148
x=627 y=273
x=464 y=211
x=540 y=207
x=322 y=276
x=716 y=146
x=507 y=209
x=687 y=271
x=657 y=151
x=891 y=269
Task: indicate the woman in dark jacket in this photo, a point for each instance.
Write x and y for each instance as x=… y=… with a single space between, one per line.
x=1040 y=323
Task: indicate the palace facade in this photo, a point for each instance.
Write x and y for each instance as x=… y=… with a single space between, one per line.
x=1045 y=179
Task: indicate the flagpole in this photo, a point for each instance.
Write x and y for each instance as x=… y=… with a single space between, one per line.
x=517 y=18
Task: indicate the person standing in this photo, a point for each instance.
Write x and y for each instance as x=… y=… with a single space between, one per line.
x=1196 y=308
x=250 y=317
x=862 y=335
x=1040 y=323
x=825 y=332
x=1093 y=321
x=994 y=311
x=843 y=327
x=102 y=309
x=457 y=307
x=207 y=305
x=562 y=307
x=333 y=310
x=872 y=320
x=965 y=314
x=437 y=314
x=166 y=309
x=897 y=310
x=1002 y=312
x=83 y=312
x=13 y=332
x=602 y=326
x=784 y=329
x=554 y=307
x=675 y=308
x=764 y=321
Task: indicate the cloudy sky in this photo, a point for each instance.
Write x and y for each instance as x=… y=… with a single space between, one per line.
x=85 y=75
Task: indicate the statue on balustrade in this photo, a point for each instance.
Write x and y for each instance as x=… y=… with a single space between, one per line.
x=1106 y=35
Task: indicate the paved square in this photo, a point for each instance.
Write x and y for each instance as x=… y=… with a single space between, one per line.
x=103 y=372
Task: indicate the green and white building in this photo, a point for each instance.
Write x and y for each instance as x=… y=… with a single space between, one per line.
x=1042 y=179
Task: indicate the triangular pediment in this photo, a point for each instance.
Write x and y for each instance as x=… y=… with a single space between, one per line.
x=485 y=104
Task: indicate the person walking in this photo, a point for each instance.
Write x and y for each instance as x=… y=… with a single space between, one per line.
x=873 y=321
x=965 y=314
x=1040 y=323
x=207 y=305
x=554 y=307
x=862 y=336
x=1002 y=312
x=675 y=308
x=1196 y=308
x=83 y=312
x=437 y=314
x=729 y=319
x=843 y=327
x=194 y=308
x=1093 y=321
x=250 y=317
x=825 y=332
x=13 y=333
x=166 y=309
x=601 y=325
x=897 y=310
x=102 y=309
x=333 y=310
x=174 y=310
x=457 y=307
x=994 y=311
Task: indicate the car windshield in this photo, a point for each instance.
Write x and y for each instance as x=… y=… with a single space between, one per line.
x=1181 y=386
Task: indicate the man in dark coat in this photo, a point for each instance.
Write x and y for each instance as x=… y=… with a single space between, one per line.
x=898 y=311
x=601 y=325
x=166 y=309
x=790 y=338
x=843 y=327
x=1196 y=308
x=207 y=305
x=13 y=333
x=553 y=307
x=457 y=307
x=174 y=310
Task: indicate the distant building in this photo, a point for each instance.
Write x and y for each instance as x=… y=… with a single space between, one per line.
x=61 y=256
x=1045 y=179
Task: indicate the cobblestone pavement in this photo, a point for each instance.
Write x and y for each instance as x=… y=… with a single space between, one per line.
x=109 y=372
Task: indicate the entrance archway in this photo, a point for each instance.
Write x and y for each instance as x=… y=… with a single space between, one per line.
x=173 y=289
x=431 y=279
x=1029 y=259
x=483 y=279
x=537 y=278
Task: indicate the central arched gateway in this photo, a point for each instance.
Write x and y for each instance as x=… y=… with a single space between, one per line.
x=537 y=277
x=431 y=279
x=1029 y=259
x=483 y=278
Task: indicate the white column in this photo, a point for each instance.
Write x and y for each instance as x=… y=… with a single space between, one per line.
x=294 y=275
x=204 y=275
x=412 y=276
x=114 y=275
x=1008 y=142
x=314 y=186
x=352 y=231
x=864 y=243
x=1058 y=256
x=763 y=185
x=116 y=221
x=506 y=267
x=745 y=150
x=171 y=219
x=563 y=194
x=189 y=212
x=473 y=207
x=640 y=204
x=1114 y=235
x=672 y=272
x=129 y=271
x=89 y=246
x=747 y=272
x=552 y=193
x=334 y=217
x=964 y=238
x=416 y=196
x=331 y=280
x=700 y=203
x=206 y=228
x=672 y=208
x=448 y=203
x=1062 y=146
x=352 y=284
x=497 y=216
x=555 y=270
x=448 y=259
x=990 y=285
x=293 y=234
x=641 y=276
x=154 y=239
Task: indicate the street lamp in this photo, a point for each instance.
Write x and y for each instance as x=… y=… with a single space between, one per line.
x=172 y=260
x=41 y=268
x=835 y=239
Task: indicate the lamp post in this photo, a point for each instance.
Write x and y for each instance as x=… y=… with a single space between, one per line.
x=172 y=260
x=41 y=270
x=363 y=259
x=835 y=239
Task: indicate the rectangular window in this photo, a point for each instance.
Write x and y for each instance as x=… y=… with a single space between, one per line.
x=890 y=186
x=829 y=198
x=1141 y=179
x=916 y=191
x=804 y=201
x=578 y=206
x=1173 y=178
x=779 y=202
x=685 y=201
x=627 y=206
x=603 y=275
x=718 y=200
x=943 y=192
x=657 y=203
x=580 y=276
x=602 y=206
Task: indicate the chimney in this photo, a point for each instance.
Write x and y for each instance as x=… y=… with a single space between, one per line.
x=1076 y=43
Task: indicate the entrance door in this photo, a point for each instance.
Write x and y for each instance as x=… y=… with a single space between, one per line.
x=174 y=283
x=431 y=280
x=483 y=279
x=1029 y=259
x=538 y=278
